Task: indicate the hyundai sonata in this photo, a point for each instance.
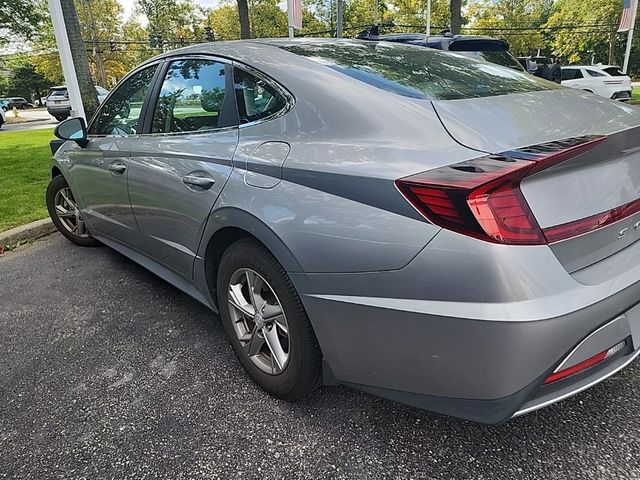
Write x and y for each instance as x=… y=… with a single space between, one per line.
x=433 y=229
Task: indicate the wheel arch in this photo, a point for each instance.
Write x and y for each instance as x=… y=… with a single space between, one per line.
x=55 y=172
x=228 y=225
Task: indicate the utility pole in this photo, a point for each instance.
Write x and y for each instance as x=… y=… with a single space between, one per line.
x=375 y=12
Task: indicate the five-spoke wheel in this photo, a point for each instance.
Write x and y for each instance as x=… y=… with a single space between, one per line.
x=65 y=214
x=266 y=322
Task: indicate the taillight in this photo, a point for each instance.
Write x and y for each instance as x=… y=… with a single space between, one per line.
x=482 y=198
x=585 y=364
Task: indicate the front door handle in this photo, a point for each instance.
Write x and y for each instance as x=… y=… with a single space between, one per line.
x=117 y=167
x=199 y=180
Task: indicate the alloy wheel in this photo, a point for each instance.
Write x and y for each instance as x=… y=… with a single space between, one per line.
x=68 y=213
x=259 y=321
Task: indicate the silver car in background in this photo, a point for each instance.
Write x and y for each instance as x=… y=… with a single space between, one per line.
x=433 y=229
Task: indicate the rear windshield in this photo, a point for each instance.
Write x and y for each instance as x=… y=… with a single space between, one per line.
x=614 y=71
x=420 y=72
x=58 y=91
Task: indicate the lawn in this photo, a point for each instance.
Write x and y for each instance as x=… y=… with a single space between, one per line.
x=635 y=96
x=24 y=175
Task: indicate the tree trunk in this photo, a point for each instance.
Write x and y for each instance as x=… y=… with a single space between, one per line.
x=612 y=47
x=243 y=13
x=80 y=60
x=455 y=10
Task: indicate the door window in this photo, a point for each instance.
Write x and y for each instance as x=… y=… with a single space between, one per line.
x=256 y=99
x=121 y=114
x=571 y=74
x=192 y=98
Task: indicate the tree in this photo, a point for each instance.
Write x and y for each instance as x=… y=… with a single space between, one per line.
x=19 y=17
x=266 y=20
x=170 y=19
x=80 y=60
x=24 y=81
x=455 y=16
x=596 y=37
x=243 y=15
x=503 y=18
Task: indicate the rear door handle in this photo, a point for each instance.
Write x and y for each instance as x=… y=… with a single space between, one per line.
x=117 y=167
x=201 y=181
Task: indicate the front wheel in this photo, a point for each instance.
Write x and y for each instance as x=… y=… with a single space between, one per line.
x=65 y=214
x=266 y=323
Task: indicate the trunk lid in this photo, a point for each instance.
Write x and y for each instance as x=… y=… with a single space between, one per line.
x=599 y=186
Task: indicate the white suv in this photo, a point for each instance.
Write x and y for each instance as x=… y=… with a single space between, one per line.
x=605 y=80
x=58 y=104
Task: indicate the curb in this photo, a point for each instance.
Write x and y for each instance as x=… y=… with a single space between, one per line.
x=30 y=231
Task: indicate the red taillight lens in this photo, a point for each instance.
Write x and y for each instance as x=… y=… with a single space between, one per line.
x=585 y=364
x=482 y=197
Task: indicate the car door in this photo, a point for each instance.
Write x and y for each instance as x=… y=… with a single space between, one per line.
x=100 y=169
x=182 y=162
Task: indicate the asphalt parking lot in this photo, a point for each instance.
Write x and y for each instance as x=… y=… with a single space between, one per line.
x=109 y=372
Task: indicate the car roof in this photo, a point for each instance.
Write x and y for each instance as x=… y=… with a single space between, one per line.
x=595 y=67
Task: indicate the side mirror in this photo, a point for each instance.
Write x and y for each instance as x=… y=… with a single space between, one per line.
x=73 y=129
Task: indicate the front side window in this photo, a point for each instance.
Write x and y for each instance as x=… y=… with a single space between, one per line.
x=121 y=114
x=256 y=99
x=569 y=73
x=192 y=98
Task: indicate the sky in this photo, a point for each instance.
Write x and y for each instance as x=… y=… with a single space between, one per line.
x=129 y=5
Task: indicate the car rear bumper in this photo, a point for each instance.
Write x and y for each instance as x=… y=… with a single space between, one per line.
x=623 y=96
x=58 y=110
x=484 y=352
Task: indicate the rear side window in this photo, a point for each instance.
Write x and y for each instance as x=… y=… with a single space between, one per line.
x=594 y=73
x=420 y=72
x=256 y=99
x=192 y=98
x=613 y=71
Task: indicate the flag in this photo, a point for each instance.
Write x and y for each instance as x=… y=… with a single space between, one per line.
x=294 y=8
x=628 y=15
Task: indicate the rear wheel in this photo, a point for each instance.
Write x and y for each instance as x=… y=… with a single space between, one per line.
x=266 y=323
x=65 y=214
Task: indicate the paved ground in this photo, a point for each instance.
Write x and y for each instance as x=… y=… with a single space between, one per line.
x=38 y=118
x=108 y=372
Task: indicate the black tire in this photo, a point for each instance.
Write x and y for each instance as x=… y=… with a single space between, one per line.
x=57 y=184
x=302 y=373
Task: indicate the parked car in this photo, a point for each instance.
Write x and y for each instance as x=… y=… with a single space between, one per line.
x=604 y=80
x=4 y=104
x=406 y=221
x=3 y=118
x=18 y=102
x=492 y=50
x=542 y=67
x=59 y=105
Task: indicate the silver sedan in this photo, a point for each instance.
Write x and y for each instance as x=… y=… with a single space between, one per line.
x=430 y=228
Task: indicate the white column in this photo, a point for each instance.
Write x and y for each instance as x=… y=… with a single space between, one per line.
x=68 y=68
x=627 y=53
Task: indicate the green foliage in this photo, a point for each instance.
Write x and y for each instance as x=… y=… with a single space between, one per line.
x=499 y=18
x=24 y=81
x=581 y=45
x=20 y=17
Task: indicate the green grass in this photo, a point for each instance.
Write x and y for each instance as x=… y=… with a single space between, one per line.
x=635 y=96
x=24 y=175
